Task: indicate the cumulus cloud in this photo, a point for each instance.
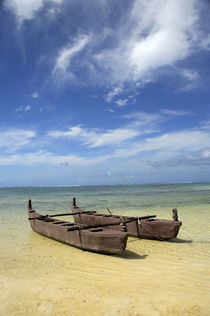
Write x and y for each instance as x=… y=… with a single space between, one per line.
x=12 y=140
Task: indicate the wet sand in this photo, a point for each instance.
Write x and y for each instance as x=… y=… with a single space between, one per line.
x=39 y=276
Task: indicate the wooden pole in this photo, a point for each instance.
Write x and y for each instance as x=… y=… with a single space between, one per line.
x=29 y=204
x=74 y=203
x=103 y=225
x=147 y=217
x=109 y=211
x=64 y=214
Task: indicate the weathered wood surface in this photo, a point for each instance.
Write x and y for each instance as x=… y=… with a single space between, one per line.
x=147 y=227
x=101 y=240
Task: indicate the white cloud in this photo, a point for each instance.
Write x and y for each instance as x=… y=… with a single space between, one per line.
x=138 y=124
x=48 y=158
x=205 y=42
x=14 y=139
x=146 y=38
x=190 y=74
x=24 y=9
x=111 y=137
x=121 y=102
x=35 y=95
x=169 y=145
x=27 y=9
x=206 y=153
x=143 y=119
x=94 y=138
x=176 y=112
x=62 y=68
x=178 y=141
x=136 y=137
x=23 y=108
x=113 y=93
x=183 y=147
x=205 y=125
x=148 y=54
x=74 y=131
x=142 y=138
x=157 y=34
x=110 y=110
x=192 y=80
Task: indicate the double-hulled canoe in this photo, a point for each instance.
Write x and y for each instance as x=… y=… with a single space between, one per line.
x=147 y=227
x=91 y=238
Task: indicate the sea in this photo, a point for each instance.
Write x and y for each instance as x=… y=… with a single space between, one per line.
x=40 y=276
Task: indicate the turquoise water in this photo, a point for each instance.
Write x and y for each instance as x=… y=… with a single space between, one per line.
x=119 y=197
x=39 y=276
x=191 y=199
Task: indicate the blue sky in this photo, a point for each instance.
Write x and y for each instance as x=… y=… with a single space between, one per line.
x=104 y=92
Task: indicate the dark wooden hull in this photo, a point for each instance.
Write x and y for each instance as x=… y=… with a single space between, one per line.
x=159 y=229
x=96 y=240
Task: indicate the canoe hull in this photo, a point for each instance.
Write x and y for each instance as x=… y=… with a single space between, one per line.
x=101 y=241
x=159 y=229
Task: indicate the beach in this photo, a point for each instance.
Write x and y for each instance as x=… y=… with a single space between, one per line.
x=39 y=276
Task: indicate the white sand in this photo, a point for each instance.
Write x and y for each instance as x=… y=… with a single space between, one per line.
x=39 y=276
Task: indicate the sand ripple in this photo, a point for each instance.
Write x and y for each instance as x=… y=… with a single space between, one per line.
x=39 y=276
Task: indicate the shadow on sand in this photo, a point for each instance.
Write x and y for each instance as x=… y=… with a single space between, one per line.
x=175 y=240
x=35 y=238
x=180 y=241
x=131 y=255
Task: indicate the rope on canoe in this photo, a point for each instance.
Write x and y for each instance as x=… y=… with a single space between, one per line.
x=152 y=234
x=80 y=238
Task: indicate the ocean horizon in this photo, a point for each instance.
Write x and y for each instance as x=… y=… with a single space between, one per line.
x=103 y=184
x=39 y=276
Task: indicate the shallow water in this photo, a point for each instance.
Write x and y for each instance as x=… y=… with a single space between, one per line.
x=39 y=276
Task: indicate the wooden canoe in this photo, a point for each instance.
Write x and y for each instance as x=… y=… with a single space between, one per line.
x=147 y=227
x=91 y=238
